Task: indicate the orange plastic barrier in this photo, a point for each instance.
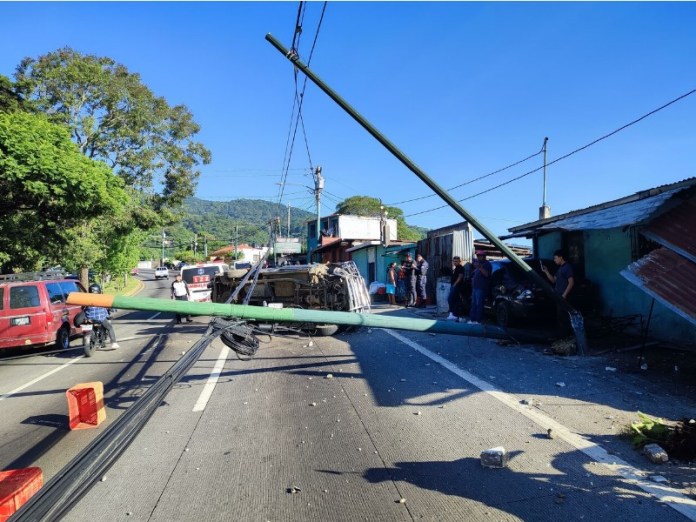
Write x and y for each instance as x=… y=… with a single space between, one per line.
x=86 y=405
x=16 y=487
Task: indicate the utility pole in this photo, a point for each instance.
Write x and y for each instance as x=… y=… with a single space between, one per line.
x=195 y=245
x=164 y=235
x=288 y=219
x=205 y=247
x=236 y=235
x=544 y=210
x=318 y=187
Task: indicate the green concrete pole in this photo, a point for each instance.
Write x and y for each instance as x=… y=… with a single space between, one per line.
x=298 y=315
x=576 y=318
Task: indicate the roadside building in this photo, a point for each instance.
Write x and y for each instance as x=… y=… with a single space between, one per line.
x=639 y=252
x=339 y=233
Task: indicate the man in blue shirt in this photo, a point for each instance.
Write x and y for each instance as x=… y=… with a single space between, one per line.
x=564 y=281
x=98 y=314
x=479 y=286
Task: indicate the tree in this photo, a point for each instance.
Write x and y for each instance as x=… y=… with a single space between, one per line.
x=369 y=206
x=10 y=101
x=50 y=191
x=115 y=118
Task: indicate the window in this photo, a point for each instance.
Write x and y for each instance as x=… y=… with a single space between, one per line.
x=70 y=286
x=24 y=297
x=55 y=294
x=2 y=298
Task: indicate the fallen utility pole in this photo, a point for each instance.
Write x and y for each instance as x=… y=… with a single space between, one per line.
x=298 y=315
x=576 y=319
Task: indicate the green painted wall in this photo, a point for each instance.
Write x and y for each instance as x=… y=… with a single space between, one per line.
x=607 y=252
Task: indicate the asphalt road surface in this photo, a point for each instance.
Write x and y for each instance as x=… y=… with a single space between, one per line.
x=371 y=425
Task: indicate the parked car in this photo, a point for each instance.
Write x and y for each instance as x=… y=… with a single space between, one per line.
x=161 y=272
x=33 y=311
x=514 y=297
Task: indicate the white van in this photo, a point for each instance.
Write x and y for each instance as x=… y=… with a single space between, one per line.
x=200 y=277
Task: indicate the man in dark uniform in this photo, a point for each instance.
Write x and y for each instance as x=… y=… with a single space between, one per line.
x=410 y=269
x=421 y=279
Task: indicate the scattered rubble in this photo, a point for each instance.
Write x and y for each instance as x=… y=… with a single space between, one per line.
x=655 y=453
x=293 y=490
x=494 y=457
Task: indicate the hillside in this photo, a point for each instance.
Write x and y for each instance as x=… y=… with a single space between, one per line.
x=218 y=219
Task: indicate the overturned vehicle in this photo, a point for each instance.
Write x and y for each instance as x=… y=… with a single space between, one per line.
x=330 y=287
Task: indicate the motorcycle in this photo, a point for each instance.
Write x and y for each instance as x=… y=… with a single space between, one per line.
x=94 y=337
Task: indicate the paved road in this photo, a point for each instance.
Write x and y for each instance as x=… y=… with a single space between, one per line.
x=394 y=434
x=33 y=405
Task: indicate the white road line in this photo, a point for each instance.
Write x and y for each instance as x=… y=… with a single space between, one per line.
x=669 y=496
x=42 y=377
x=151 y=318
x=212 y=381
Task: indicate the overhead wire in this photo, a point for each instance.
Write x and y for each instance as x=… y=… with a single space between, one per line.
x=474 y=179
x=565 y=156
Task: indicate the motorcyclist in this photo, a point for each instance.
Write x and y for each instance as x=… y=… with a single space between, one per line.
x=98 y=314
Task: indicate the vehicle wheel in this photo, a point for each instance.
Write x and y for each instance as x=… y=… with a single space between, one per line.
x=325 y=330
x=63 y=338
x=90 y=346
x=503 y=316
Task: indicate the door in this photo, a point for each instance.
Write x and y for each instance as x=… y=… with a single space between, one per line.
x=26 y=317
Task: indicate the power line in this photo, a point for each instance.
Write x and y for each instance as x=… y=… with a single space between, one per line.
x=471 y=180
x=675 y=100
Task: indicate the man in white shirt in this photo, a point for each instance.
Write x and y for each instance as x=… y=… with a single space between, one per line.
x=181 y=292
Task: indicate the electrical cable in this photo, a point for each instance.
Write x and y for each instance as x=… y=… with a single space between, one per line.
x=623 y=127
x=471 y=180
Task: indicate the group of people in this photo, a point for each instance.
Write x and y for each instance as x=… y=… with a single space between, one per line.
x=474 y=278
x=471 y=278
x=408 y=281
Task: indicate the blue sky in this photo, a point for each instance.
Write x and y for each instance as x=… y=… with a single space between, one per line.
x=463 y=89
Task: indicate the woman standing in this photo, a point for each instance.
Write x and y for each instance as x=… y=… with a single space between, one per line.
x=391 y=283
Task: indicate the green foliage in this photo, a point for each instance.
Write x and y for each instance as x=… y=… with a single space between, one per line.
x=51 y=192
x=114 y=117
x=647 y=430
x=10 y=100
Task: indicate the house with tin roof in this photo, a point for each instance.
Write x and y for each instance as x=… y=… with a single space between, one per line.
x=638 y=251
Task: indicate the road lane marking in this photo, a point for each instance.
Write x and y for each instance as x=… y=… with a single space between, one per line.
x=212 y=381
x=151 y=318
x=669 y=496
x=40 y=378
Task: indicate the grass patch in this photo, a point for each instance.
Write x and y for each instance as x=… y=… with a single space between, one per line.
x=118 y=286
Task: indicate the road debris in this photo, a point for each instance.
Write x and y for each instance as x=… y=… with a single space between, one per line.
x=550 y=433
x=655 y=453
x=329 y=375
x=292 y=490
x=494 y=457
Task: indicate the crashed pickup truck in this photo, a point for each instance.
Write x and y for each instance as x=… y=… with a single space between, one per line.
x=328 y=287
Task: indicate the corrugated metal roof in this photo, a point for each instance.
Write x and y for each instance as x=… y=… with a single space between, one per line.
x=613 y=217
x=593 y=216
x=669 y=278
x=676 y=229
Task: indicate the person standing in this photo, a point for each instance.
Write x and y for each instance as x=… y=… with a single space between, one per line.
x=456 y=286
x=391 y=283
x=181 y=292
x=409 y=267
x=421 y=279
x=563 y=281
x=479 y=286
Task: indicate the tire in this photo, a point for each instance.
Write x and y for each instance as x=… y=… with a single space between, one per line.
x=63 y=338
x=503 y=314
x=90 y=346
